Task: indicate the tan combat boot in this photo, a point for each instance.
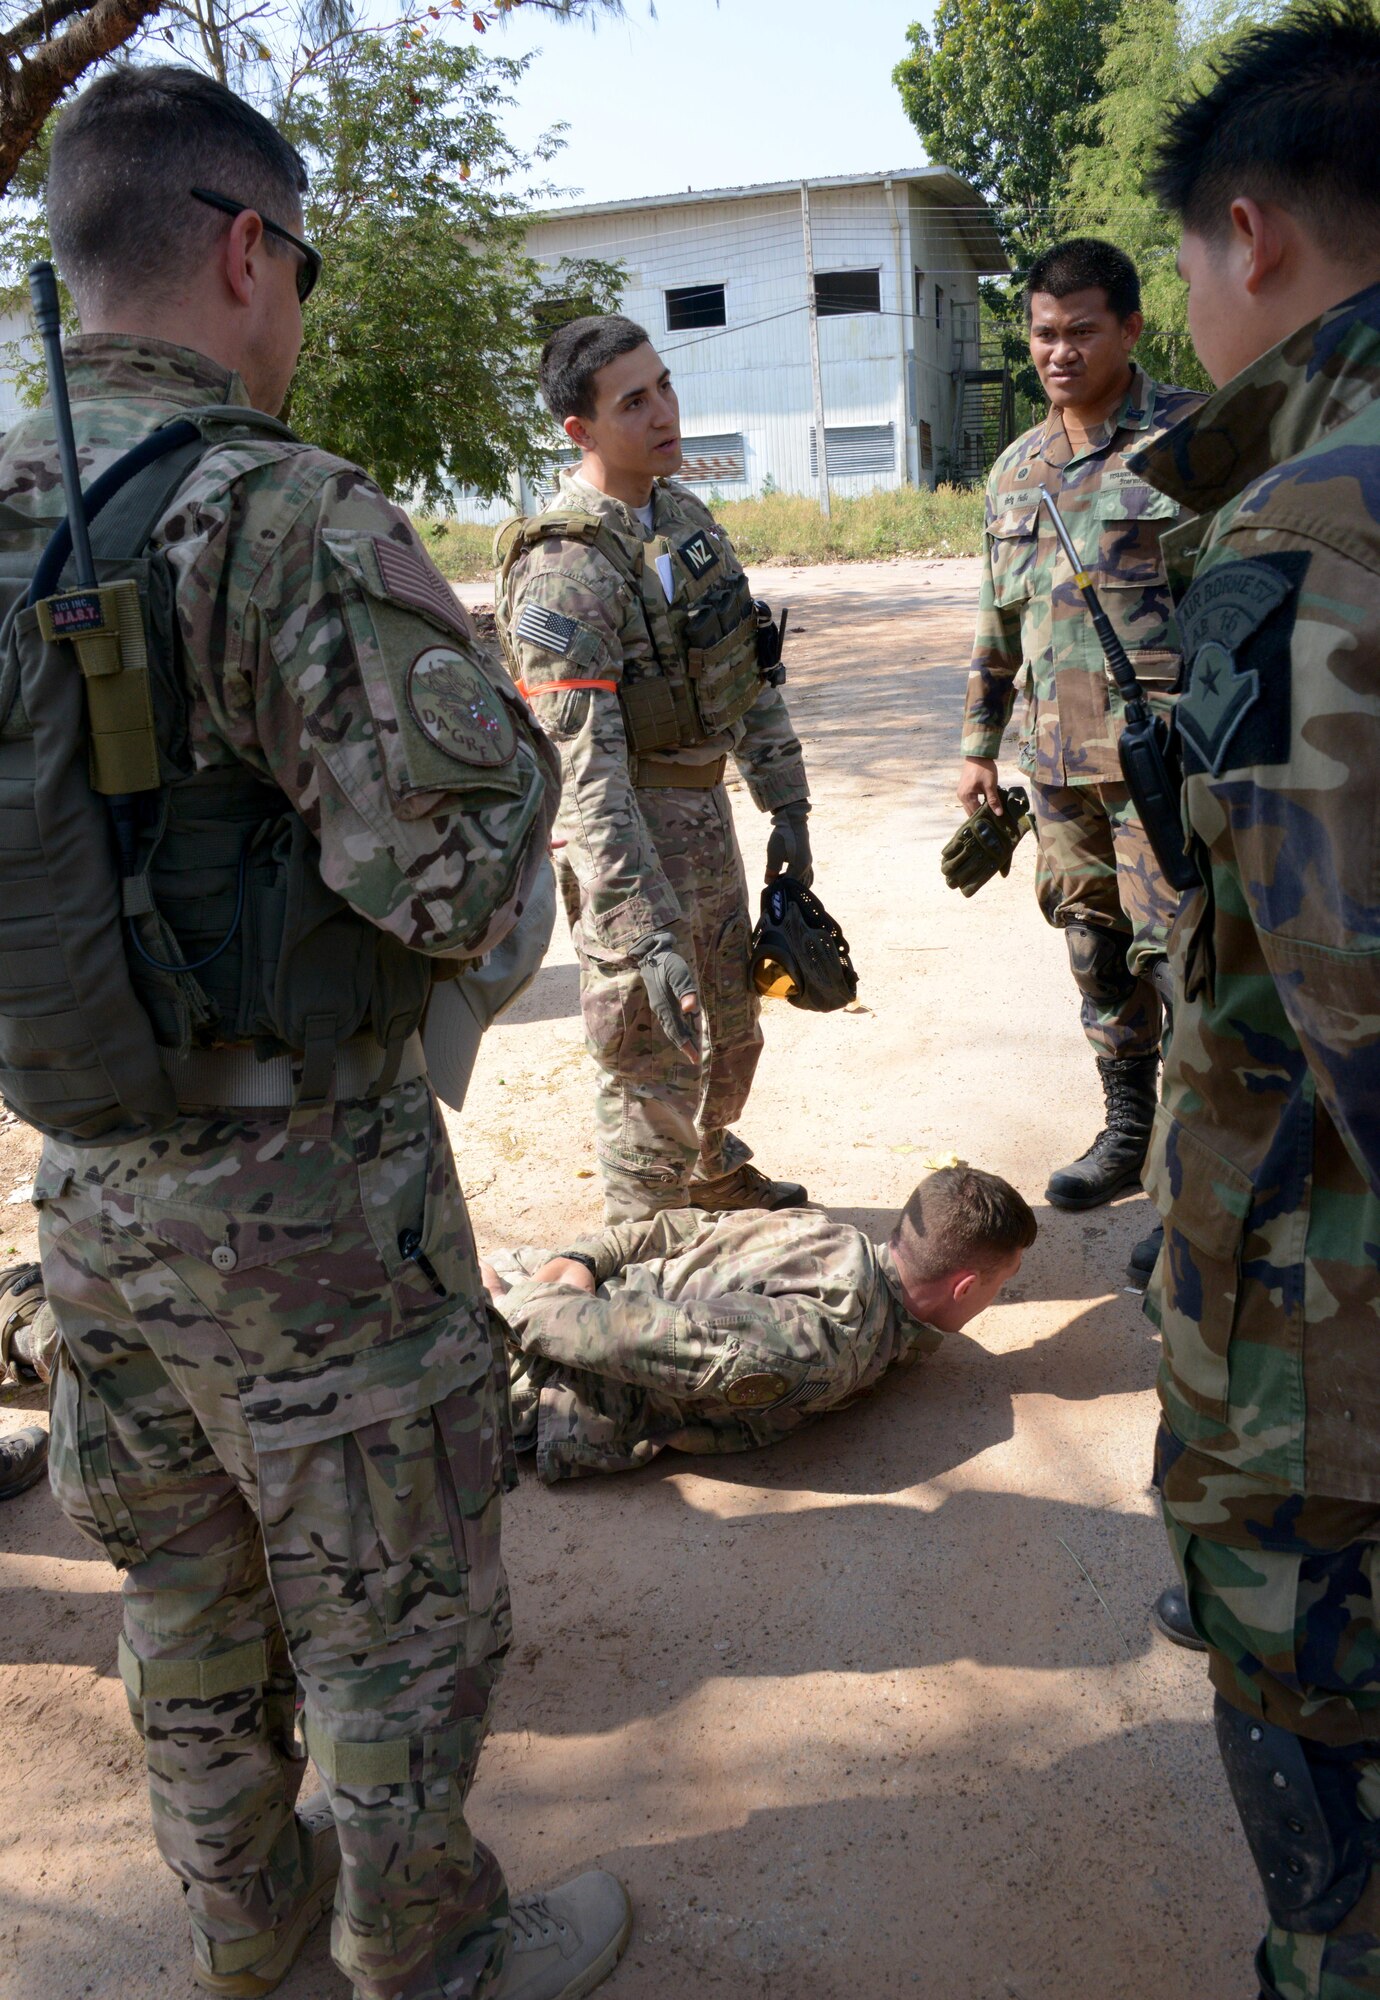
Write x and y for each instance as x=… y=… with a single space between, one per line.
x=744 y=1187
x=253 y=1966
x=566 y=1940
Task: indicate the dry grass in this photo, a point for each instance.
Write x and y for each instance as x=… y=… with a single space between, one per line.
x=786 y=528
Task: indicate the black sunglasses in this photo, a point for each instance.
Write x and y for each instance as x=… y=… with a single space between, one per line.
x=308 y=271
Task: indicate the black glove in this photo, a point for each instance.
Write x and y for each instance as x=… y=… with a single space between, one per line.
x=788 y=845
x=668 y=980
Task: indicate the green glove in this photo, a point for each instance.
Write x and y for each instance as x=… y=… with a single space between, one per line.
x=984 y=844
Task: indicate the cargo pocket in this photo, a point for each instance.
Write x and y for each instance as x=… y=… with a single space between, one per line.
x=380 y=1482
x=80 y=1468
x=1130 y=521
x=1205 y=1202
x=1011 y=539
x=411 y=1201
x=735 y=997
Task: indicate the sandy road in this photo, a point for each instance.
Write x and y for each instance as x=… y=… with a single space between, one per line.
x=876 y=1712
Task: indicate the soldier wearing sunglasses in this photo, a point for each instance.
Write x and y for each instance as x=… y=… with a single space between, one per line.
x=276 y=1398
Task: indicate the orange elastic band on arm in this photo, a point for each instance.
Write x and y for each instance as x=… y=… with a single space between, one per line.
x=555 y=687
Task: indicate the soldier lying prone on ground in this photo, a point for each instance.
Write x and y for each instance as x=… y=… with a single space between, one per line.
x=723 y=1332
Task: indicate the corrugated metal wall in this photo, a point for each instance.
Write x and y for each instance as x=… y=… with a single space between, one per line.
x=751 y=378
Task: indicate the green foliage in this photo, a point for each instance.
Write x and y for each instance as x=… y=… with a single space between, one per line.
x=1002 y=92
x=788 y=527
x=1159 y=51
x=422 y=340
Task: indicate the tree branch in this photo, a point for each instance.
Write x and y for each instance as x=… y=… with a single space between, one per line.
x=31 y=87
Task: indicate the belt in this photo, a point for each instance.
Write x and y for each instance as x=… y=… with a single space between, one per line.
x=234 y=1079
x=657 y=771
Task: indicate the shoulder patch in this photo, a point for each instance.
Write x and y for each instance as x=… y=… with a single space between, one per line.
x=456 y=709
x=550 y=629
x=1236 y=622
x=409 y=578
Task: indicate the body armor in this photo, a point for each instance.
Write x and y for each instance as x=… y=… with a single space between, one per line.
x=706 y=673
x=187 y=912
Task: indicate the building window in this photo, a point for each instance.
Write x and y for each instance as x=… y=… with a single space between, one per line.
x=919 y=293
x=691 y=306
x=713 y=461
x=939 y=308
x=926 y=448
x=847 y=292
x=855 y=448
x=551 y=313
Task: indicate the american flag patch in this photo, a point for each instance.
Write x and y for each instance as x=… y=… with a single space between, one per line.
x=549 y=629
x=409 y=578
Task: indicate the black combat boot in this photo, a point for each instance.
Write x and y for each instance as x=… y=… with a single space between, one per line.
x=1113 y=1161
x=1144 y=1257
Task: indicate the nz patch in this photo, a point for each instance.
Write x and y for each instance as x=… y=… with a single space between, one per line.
x=1237 y=621
x=457 y=710
x=699 y=555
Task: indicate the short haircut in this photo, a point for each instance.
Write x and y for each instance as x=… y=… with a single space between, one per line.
x=126 y=155
x=1291 y=117
x=1078 y=265
x=575 y=353
x=960 y=1218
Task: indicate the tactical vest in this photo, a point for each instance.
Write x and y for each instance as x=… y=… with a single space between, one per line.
x=704 y=673
x=146 y=905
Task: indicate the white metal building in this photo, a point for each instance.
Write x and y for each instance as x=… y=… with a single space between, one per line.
x=718 y=278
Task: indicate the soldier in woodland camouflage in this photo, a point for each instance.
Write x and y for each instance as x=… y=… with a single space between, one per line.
x=628 y=623
x=278 y=1402
x=1097 y=878
x=701 y=1333
x=1266 y=1158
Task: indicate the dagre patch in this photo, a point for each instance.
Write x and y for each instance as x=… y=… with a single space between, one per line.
x=457 y=710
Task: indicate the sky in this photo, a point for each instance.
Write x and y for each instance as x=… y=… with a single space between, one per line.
x=715 y=96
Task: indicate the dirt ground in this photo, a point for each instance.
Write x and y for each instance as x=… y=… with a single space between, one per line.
x=877 y=1711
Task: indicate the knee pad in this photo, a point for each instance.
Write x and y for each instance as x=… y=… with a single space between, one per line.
x=1311 y=1843
x=1097 y=959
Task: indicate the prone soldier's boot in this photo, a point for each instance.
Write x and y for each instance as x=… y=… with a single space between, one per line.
x=744 y=1186
x=1113 y=1161
x=565 y=1941
x=254 y=1966
x=23 y=1459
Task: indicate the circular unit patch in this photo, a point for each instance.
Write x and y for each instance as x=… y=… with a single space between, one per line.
x=754 y=1392
x=457 y=710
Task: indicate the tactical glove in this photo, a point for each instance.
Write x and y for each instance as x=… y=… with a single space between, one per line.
x=788 y=845
x=984 y=844
x=668 y=980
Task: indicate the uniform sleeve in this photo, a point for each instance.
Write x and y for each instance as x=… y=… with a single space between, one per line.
x=767 y=751
x=563 y=620
x=359 y=688
x=1302 y=833
x=996 y=662
x=662 y=1235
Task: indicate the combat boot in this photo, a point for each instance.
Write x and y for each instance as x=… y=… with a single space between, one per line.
x=1172 y=1619
x=251 y=1967
x=1144 y=1257
x=566 y=1940
x=744 y=1187
x=1113 y=1161
x=23 y=1459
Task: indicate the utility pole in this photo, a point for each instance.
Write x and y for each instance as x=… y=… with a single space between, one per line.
x=821 y=455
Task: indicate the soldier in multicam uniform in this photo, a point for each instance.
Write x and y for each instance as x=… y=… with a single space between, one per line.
x=628 y=622
x=278 y=1401
x=704 y=1333
x=1266 y=1159
x=1097 y=878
